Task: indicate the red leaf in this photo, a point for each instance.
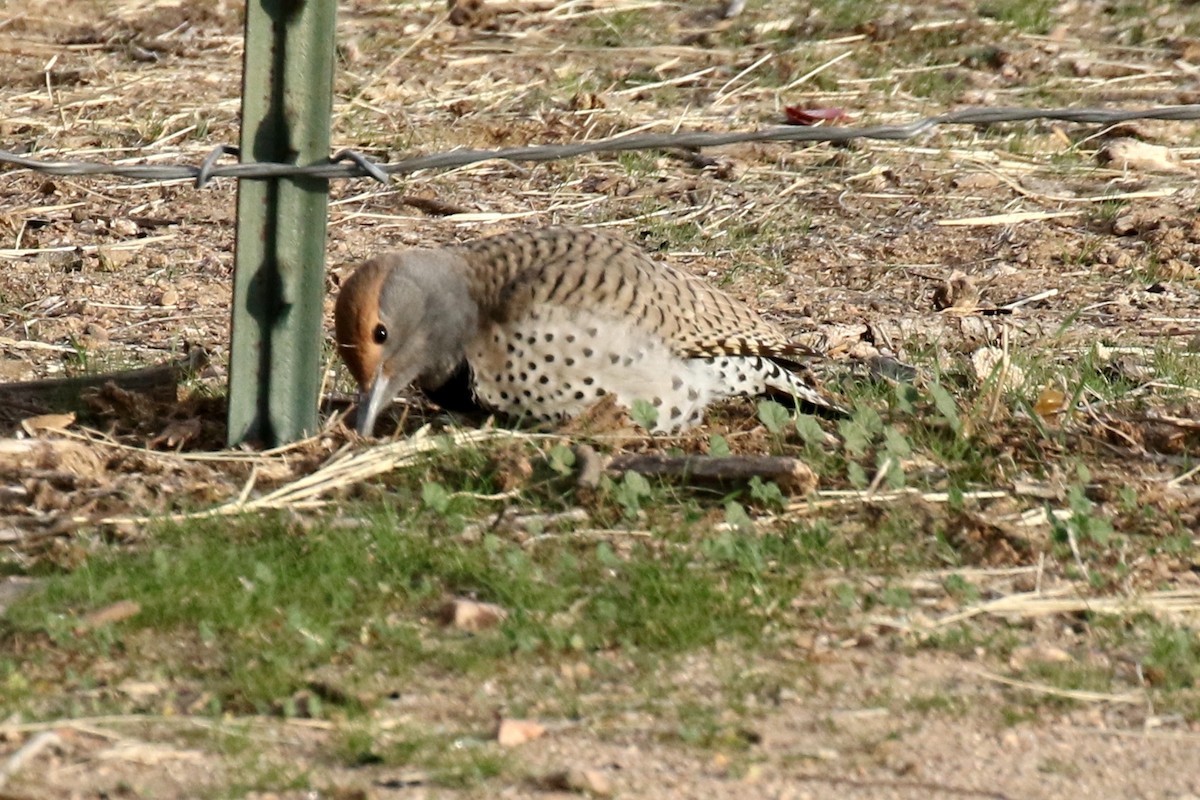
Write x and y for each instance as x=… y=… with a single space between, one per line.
x=811 y=116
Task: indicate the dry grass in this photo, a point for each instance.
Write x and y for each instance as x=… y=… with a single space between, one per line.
x=1055 y=488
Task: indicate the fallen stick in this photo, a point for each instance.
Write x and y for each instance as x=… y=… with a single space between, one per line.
x=792 y=475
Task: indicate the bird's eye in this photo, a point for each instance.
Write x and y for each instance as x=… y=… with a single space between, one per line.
x=379 y=334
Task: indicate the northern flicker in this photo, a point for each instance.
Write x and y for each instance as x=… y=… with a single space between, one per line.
x=545 y=323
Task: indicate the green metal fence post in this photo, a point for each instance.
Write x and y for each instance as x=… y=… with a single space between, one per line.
x=279 y=283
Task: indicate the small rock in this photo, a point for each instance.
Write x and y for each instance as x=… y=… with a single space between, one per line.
x=590 y=467
x=96 y=333
x=575 y=672
x=976 y=180
x=1044 y=653
x=110 y=259
x=1100 y=69
x=64 y=261
x=140 y=691
x=583 y=781
x=123 y=226
x=169 y=297
x=513 y=732
x=890 y=368
x=471 y=615
x=754 y=774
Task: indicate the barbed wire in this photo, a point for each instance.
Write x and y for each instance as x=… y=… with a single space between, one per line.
x=351 y=164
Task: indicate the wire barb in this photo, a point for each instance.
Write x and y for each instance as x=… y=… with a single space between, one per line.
x=367 y=165
x=204 y=174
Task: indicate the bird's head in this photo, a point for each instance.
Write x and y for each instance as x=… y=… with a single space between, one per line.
x=403 y=318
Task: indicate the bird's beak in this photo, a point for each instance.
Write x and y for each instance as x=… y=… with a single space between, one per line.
x=379 y=394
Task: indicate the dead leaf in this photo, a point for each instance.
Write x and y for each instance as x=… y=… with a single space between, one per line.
x=1050 y=402
x=987 y=541
x=1187 y=50
x=117 y=612
x=513 y=732
x=586 y=101
x=606 y=415
x=47 y=422
x=177 y=434
x=956 y=292
x=811 y=116
x=1141 y=220
x=511 y=467
x=470 y=13
x=1133 y=154
x=992 y=363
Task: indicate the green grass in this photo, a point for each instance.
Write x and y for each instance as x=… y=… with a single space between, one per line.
x=639 y=163
x=941 y=86
x=257 y=773
x=1029 y=16
x=620 y=29
x=939 y=703
x=1166 y=656
x=840 y=16
x=251 y=607
x=1174 y=654
x=453 y=760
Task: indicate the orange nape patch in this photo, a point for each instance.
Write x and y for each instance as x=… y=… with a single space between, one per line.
x=355 y=316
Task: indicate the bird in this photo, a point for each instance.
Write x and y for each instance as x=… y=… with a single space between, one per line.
x=543 y=323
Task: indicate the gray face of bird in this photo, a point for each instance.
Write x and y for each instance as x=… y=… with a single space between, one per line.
x=429 y=318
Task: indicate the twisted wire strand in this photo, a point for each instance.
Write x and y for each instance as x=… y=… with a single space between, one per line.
x=351 y=164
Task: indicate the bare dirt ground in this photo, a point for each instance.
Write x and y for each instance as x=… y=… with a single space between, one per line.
x=847 y=246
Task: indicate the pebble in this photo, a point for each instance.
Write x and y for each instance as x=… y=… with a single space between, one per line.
x=471 y=615
x=583 y=781
x=123 y=226
x=513 y=732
